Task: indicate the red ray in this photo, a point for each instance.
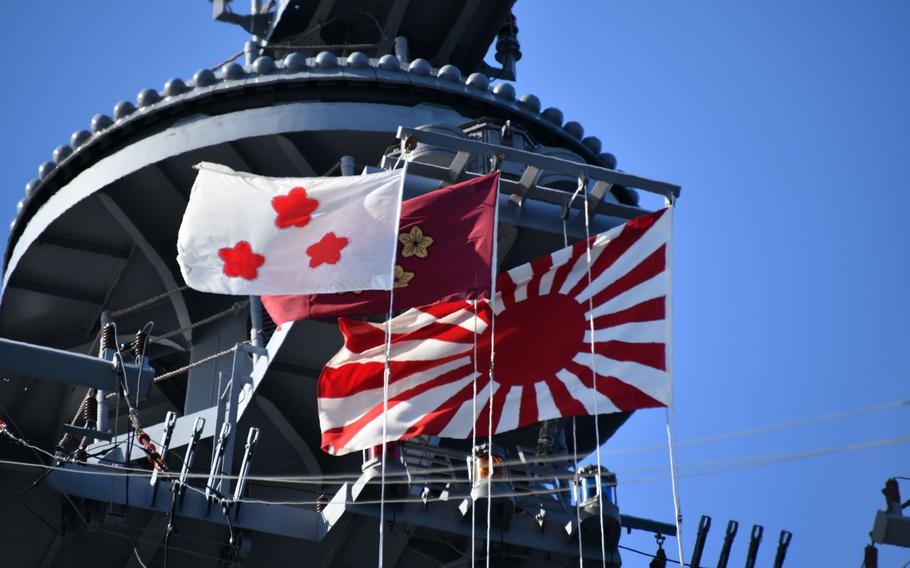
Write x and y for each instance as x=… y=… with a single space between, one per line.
x=507 y=296
x=352 y=378
x=649 y=310
x=651 y=354
x=483 y=417
x=630 y=234
x=625 y=396
x=340 y=436
x=361 y=336
x=646 y=269
x=539 y=267
x=578 y=249
x=434 y=422
x=567 y=404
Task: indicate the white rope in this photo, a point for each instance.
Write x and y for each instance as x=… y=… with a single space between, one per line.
x=493 y=273
x=582 y=185
x=576 y=492
x=678 y=517
x=474 y=445
x=387 y=368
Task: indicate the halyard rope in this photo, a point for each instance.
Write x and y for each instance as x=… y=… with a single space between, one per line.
x=493 y=273
x=575 y=481
x=147 y=302
x=387 y=367
x=583 y=185
x=474 y=446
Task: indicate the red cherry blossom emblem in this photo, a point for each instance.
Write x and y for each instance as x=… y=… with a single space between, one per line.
x=327 y=250
x=240 y=260
x=293 y=209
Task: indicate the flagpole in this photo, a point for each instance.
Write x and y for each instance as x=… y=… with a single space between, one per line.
x=671 y=425
x=493 y=272
x=387 y=370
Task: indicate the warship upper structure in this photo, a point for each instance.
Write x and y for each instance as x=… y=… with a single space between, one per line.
x=102 y=339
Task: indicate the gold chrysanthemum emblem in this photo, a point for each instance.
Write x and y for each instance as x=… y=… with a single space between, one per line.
x=402 y=277
x=415 y=243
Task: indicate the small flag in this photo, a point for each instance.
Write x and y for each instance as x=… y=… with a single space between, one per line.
x=445 y=247
x=247 y=234
x=544 y=365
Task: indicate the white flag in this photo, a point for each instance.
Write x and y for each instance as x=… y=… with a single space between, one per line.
x=247 y=234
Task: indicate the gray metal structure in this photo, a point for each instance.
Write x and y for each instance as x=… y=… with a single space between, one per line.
x=328 y=88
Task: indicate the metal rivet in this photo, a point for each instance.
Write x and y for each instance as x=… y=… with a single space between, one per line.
x=100 y=122
x=123 y=109
x=147 y=97
x=530 y=102
x=203 y=78
x=420 y=67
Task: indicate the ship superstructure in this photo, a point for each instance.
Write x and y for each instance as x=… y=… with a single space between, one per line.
x=226 y=399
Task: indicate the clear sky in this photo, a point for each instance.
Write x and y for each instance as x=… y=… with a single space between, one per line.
x=787 y=125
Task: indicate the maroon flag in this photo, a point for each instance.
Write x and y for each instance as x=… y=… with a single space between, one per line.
x=445 y=247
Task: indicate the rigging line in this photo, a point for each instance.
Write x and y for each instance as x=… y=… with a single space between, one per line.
x=494 y=269
x=728 y=465
x=37 y=451
x=226 y=61
x=673 y=486
x=583 y=185
x=401 y=500
x=198 y=363
x=387 y=367
x=643 y=553
x=474 y=444
x=134 y=419
x=26 y=489
x=233 y=310
x=669 y=364
x=148 y=301
x=565 y=244
x=617 y=452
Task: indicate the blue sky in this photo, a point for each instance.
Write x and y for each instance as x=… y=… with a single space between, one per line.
x=787 y=125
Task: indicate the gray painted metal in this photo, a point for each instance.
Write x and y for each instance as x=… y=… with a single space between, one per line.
x=638 y=523
x=523 y=531
x=548 y=163
x=24 y=359
x=209 y=131
x=91 y=482
x=184 y=428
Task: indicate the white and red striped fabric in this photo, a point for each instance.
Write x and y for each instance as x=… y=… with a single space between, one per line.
x=544 y=366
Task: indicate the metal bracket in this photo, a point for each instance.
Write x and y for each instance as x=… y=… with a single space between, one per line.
x=251 y=438
x=754 y=543
x=782 y=544
x=170 y=420
x=217 y=462
x=80 y=432
x=704 y=525
x=189 y=456
x=541 y=162
x=732 y=527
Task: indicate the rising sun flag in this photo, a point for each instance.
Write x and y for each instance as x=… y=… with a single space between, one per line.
x=548 y=361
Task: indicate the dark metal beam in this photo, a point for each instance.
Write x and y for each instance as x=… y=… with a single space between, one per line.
x=66 y=292
x=24 y=359
x=294 y=522
x=638 y=523
x=457 y=30
x=75 y=243
x=393 y=20
x=539 y=161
